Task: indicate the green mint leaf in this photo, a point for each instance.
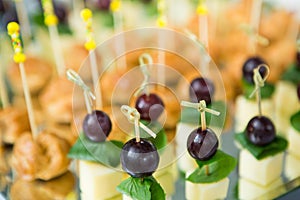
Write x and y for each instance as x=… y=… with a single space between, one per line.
x=142 y=189
x=192 y=116
x=266 y=91
x=295 y=121
x=259 y=152
x=107 y=153
x=161 y=139
x=219 y=167
x=292 y=74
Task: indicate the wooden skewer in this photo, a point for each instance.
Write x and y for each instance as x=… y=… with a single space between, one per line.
x=19 y=57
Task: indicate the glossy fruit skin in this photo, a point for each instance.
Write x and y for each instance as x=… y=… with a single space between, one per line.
x=149 y=106
x=202 y=145
x=250 y=65
x=201 y=89
x=298 y=91
x=260 y=131
x=97 y=126
x=139 y=159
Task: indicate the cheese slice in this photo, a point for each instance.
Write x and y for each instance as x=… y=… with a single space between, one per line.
x=250 y=190
x=294 y=142
x=98 y=181
x=246 y=109
x=292 y=169
x=261 y=172
x=208 y=191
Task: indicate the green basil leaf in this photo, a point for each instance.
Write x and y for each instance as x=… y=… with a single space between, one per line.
x=192 y=116
x=292 y=74
x=107 y=153
x=219 y=167
x=142 y=189
x=295 y=121
x=259 y=152
x=161 y=139
x=266 y=91
x=157 y=192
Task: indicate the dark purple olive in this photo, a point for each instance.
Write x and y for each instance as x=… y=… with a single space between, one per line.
x=139 y=159
x=202 y=144
x=260 y=131
x=250 y=65
x=201 y=89
x=149 y=106
x=97 y=126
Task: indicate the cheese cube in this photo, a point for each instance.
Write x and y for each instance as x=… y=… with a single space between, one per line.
x=247 y=108
x=167 y=181
x=263 y=171
x=292 y=169
x=98 y=181
x=294 y=142
x=207 y=191
x=250 y=190
x=283 y=112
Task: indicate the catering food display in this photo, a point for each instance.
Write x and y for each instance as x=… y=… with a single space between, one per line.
x=76 y=65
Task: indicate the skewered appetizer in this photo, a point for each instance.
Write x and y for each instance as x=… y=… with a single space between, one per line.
x=150 y=107
x=284 y=88
x=261 y=156
x=98 y=158
x=140 y=159
x=37 y=155
x=200 y=89
x=245 y=107
x=209 y=180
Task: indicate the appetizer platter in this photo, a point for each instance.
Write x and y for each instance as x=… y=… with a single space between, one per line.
x=149 y=100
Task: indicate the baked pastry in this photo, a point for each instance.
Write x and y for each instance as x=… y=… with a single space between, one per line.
x=38 y=74
x=56 y=100
x=13 y=123
x=42 y=158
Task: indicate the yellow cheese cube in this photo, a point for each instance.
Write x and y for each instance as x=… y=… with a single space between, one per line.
x=246 y=109
x=283 y=112
x=208 y=191
x=294 y=142
x=98 y=181
x=263 y=171
x=250 y=190
x=292 y=169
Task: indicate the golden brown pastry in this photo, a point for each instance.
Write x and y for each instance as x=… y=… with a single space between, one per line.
x=57 y=188
x=56 y=100
x=42 y=158
x=75 y=56
x=38 y=73
x=13 y=123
